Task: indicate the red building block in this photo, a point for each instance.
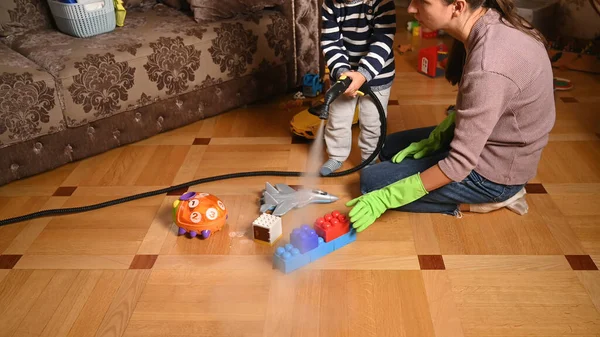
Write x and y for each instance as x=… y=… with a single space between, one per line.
x=332 y=225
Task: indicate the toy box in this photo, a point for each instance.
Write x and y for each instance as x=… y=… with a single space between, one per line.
x=432 y=60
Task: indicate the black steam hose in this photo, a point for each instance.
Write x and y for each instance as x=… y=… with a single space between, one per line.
x=321 y=111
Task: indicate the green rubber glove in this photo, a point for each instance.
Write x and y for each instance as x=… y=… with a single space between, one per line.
x=440 y=136
x=369 y=207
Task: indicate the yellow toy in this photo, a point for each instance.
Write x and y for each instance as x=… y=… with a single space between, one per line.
x=199 y=213
x=120 y=12
x=305 y=124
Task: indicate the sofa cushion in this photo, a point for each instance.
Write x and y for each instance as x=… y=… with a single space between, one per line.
x=158 y=54
x=206 y=11
x=18 y=16
x=29 y=105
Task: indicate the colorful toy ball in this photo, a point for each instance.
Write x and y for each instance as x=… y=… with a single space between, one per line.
x=199 y=214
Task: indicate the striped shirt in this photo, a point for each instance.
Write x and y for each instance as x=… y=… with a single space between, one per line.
x=359 y=35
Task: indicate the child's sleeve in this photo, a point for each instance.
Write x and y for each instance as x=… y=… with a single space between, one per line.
x=382 y=40
x=332 y=45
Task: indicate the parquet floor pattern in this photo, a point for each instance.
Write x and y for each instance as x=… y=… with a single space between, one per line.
x=123 y=271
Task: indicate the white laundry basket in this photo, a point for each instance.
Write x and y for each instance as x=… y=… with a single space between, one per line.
x=84 y=19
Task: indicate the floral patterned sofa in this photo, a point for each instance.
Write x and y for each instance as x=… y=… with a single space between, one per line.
x=64 y=98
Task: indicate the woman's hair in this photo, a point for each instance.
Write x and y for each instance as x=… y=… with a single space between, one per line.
x=506 y=8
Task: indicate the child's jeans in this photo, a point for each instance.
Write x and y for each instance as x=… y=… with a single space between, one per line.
x=474 y=189
x=338 y=132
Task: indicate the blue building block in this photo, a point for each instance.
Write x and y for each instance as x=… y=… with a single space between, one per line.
x=304 y=238
x=289 y=258
x=323 y=249
x=345 y=239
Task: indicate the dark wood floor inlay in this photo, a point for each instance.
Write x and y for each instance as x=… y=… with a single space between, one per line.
x=143 y=262
x=9 y=261
x=431 y=262
x=581 y=262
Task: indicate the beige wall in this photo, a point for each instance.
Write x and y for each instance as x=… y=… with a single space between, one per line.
x=578 y=19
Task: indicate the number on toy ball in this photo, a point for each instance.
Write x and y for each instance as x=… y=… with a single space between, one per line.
x=194 y=203
x=221 y=205
x=211 y=214
x=196 y=217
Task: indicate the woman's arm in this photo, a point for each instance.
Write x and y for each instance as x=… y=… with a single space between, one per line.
x=433 y=178
x=368 y=207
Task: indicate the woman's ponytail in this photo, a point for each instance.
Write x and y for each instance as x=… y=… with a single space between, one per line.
x=456 y=62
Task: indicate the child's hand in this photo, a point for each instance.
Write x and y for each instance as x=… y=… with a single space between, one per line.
x=358 y=80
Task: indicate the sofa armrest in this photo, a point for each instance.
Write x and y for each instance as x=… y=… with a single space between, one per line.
x=305 y=16
x=29 y=102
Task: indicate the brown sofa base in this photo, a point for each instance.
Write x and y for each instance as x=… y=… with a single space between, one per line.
x=51 y=151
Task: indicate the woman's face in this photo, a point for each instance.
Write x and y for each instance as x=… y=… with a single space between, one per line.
x=433 y=14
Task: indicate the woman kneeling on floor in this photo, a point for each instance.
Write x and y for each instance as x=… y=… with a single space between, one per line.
x=482 y=155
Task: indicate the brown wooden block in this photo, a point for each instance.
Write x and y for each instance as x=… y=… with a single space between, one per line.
x=429 y=262
x=9 y=261
x=64 y=191
x=201 y=141
x=143 y=262
x=581 y=262
x=535 y=189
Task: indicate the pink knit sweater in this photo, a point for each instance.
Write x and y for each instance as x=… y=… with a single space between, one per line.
x=505 y=105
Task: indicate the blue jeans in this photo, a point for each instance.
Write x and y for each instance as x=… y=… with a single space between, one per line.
x=474 y=189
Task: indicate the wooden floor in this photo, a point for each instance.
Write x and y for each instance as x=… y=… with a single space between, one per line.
x=123 y=271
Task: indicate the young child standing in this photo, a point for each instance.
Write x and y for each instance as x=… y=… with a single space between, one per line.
x=357 y=41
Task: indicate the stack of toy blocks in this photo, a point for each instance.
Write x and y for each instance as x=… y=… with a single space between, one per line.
x=331 y=232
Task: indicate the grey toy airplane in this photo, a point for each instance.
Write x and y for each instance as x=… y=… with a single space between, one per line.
x=282 y=198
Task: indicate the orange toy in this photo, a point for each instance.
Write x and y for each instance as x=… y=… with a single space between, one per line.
x=199 y=213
